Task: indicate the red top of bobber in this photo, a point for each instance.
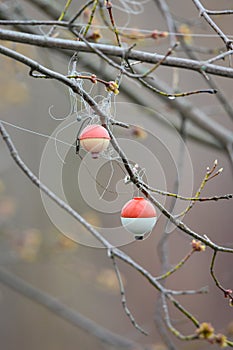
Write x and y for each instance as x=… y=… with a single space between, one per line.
x=138 y=207
x=94 y=131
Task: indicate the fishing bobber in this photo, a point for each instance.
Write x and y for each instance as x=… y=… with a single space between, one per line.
x=94 y=139
x=138 y=216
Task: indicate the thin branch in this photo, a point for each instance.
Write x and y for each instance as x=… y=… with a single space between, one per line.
x=33 y=23
x=169 y=325
x=155 y=34
x=176 y=267
x=194 y=199
x=191 y=55
x=64 y=11
x=109 y=85
x=135 y=96
x=163 y=331
x=162 y=247
x=225 y=103
x=132 y=74
x=61 y=17
x=123 y=297
x=221 y=12
x=177 y=304
x=205 y=14
x=162 y=5
x=195 y=115
x=229 y=149
x=228 y=293
x=94 y=7
x=140 y=76
x=171 y=96
x=210 y=174
x=114 y=28
x=220 y=56
x=203 y=290
x=83 y=8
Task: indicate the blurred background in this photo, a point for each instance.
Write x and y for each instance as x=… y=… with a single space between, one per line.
x=76 y=272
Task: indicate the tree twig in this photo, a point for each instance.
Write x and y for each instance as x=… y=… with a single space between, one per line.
x=228 y=293
x=205 y=14
x=123 y=297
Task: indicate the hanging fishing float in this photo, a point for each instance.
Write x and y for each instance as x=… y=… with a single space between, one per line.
x=94 y=139
x=138 y=216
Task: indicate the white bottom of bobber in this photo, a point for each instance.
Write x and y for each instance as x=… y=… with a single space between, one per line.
x=94 y=145
x=139 y=226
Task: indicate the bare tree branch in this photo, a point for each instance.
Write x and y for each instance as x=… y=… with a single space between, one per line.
x=186 y=109
x=104 y=118
x=205 y=14
x=39 y=40
x=123 y=59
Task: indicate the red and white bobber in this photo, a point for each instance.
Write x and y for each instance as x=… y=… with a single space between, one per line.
x=94 y=139
x=138 y=216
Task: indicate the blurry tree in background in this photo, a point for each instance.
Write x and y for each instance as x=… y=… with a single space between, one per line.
x=157 y=76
